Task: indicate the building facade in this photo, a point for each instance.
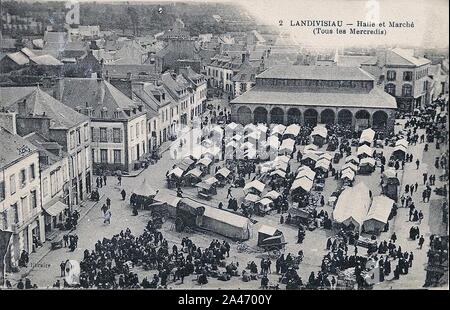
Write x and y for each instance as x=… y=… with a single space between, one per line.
x=316 y=94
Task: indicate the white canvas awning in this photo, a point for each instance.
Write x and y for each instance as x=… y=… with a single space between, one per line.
x=287 y=145
x=310 y=147
x=211 y=181
x=195 y=172
x=281 y=165
x=323 y=164
x=348 y=174
x=250 y=153
x=272 y=195
x=279 y=173
x=311 y=156
x=400 y=148
x=352 y=158
x=350 y=166
x=278 y=129
x=265 y=201
x=367 y=136
x=232 y=126
x=402 y=142
x=293 y=129
x=176 y=172
x=205 y=161
x=256 y=184
x=262 y=128
x=224 y=172
x=305 y=171
x=282 y=158
x=273 y=142
x=254 y=135
x=237 y=137
x=380 y=209
x=368 y=161
x=251 y=198
x=145 y=189
x=364 y=149
x=320 y=130
x=232 y=144
x=326 y=156
x=305 y=183
x=56 y=208
x=352 y=205
x=249 y=127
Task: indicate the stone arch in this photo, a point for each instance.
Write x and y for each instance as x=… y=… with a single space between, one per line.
x=260 y=115
x=327 y=116
x=277 y=116
x=345 y=117
x=379 y=120
x=293 y=116
x=362 y=119
x=311 y=116
x=244 y=115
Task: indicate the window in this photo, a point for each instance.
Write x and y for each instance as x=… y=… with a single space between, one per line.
x=45 y=187
x=142 y=127
x=86 y=132
x=117 y=135
x=2 y=191
x=103 y=135
x=390 y=89
x=53 y=183
x=78 y=136
x=117 y=156
x=22 y=178
x=33 y=200
x=132 y=132
x=72 y=140
x=92 y=134
x=407 y=76
x=93 y=155
x=406 y=90
x=15 y=214
x=137 y=130
x=86 y=157
x=32 y=172
x=12 y=183
x=24 y=205
x=391 y=75
x=103 y=156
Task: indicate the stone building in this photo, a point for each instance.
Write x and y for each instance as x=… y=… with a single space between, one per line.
x=316 y=94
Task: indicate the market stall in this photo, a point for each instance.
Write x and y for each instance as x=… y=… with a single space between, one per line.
x=378 y=215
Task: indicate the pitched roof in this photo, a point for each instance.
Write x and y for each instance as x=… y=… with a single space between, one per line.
x=46 y=60
x=19 y=58
x=38 y=103
x=329 y=73
x=96 y=94
x=43 y=145
x=14 y=148
x=401 y=57
x=376 y=98
x=355 y=61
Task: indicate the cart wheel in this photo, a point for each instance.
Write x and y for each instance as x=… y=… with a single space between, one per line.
x=179 y=225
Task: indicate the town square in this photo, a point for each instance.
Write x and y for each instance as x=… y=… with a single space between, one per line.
x=133 y=158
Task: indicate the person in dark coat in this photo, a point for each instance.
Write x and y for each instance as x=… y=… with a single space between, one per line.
x=123 y=193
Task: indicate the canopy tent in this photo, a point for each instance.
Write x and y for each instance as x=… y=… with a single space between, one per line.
x=352 y=158
x=348 y=174
x=196 y=152
x=400 y=148
x=310 y=147
x=223 y=172
x=293 y=130
x=365 y=150
x=205 y=161
x=278 y=129
x=226 y=223
x=265 y=201
x=368 y=161
x=282 y=158
x=232 y=144
x=350 y=166
x=204 y=185
x=262 y=128
x=254 y=135
x=402 y=142
x=255 y=184
x=273 y=142
x=217 y=129
x=176 y=172
x=251 y=198
x=281 y=166
x=145 y=189
x=168 y=200
x=233 y=127
x=272 y=195
x=279 y=173
x=287 y=145
x=194 y=172
x=390 y=173
x=311 y=156
x=320 y=130
x=265 y=232
x=211 y=181
x=378 y=214
x=266 y=167
x=352 y=206
x=326 y=156
x=323 y=164
x=56 y=208
x=306 y=172
x=247 y=145
x=367 y=136
x=213 y=151
x=304 y=183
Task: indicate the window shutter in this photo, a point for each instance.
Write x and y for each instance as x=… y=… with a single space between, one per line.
x=109 y=134
x=96 y=134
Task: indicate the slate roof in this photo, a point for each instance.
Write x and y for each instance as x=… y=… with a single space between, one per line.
x=14 y=148
x=327 y=73
x=39 y=102
x=403 y=57
x=355 y=61
x=376 y=98
x=43 y=145
x=46 y=60
x=19 y=58
x=97 y=94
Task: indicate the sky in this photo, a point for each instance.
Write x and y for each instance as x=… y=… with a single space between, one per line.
x=430 y=18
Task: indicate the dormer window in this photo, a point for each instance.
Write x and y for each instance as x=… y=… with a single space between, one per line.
x=134 y=110
x=78 y=109
x=127 y=112
x=140 y=108
x=117 y=113
x=104 y=112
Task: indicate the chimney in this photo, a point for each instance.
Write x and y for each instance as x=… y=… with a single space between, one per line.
x=23 y=108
